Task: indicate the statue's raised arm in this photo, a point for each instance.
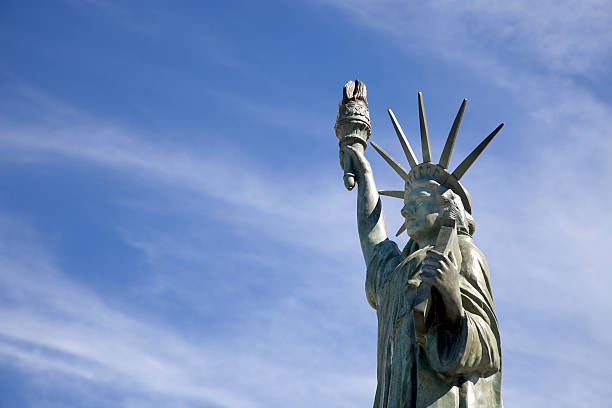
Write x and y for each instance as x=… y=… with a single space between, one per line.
x=438 y=338
x=353 y=130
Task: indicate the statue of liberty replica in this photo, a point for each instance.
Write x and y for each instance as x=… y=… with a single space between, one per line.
x=438 y=338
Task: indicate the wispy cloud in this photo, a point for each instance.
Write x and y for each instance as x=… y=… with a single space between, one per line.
x=279 y=201
x=101 y=342
x=562 y=37
x=51 y=323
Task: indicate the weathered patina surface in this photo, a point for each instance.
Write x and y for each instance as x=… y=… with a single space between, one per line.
x=452 y=357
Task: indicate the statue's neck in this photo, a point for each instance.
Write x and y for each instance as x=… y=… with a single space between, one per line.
x=426 y=243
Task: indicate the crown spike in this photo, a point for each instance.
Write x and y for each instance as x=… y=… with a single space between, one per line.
x=400 y=230
x=392 y=193
x=465 y=164
x=412 y=160
x=394 y=164
x=450 y=141
x=424 y=133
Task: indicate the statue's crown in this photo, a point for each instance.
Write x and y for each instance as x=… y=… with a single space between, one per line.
x=428 y=170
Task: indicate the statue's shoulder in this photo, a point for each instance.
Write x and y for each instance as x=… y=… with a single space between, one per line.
x=385 y=257
x=474 y=263
x=411 y=259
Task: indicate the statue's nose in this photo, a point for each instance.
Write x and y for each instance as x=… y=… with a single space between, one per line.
x=407 y=210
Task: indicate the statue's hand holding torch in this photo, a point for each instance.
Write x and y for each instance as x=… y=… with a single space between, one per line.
x=352 y=127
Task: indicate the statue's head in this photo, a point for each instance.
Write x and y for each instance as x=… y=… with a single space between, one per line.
x=430 y=190
x=425 y=201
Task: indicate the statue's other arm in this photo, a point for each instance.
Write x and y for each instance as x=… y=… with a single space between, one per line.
x=474 y=348
x=370 y=217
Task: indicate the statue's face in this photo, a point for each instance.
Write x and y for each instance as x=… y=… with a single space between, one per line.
x=421 y=210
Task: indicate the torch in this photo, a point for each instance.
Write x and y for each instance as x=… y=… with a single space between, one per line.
x=352 y=126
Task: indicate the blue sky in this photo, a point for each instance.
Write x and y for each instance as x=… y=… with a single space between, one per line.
x=174 y=230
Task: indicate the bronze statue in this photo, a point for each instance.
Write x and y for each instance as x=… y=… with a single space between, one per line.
x=438 y=339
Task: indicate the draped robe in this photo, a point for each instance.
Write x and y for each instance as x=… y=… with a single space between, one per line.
x=458 y=369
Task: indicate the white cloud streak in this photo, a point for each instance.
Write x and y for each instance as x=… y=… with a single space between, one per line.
x=561 y=36
x=280 y=202
x=53 y=324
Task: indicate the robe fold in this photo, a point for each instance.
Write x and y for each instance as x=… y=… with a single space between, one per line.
x=459 y=369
